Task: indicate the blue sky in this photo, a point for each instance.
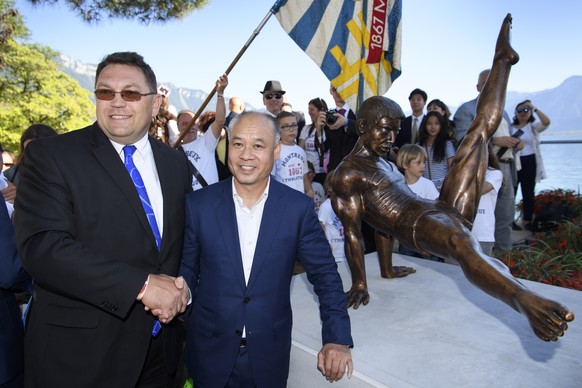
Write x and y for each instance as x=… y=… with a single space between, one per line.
x=445 y=45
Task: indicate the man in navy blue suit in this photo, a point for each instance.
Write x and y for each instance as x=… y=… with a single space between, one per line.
x=239 y=268
x=12 y=279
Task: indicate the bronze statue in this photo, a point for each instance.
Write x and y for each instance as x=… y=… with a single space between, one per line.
x=367 y=187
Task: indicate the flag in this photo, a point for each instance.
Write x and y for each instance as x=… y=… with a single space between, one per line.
x=356 y=43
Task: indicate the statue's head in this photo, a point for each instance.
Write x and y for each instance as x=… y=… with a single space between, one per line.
x=378 y=124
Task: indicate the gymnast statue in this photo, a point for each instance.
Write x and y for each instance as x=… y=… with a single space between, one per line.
x=366 y=187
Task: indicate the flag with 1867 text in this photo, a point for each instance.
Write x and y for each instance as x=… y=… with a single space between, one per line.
x=356 y=43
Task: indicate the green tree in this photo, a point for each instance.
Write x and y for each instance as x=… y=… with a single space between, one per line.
x=145 y=11
x=11 y=26
x=32 y=88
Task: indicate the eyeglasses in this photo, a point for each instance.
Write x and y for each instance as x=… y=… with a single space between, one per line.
x=271 y=95
x=290 y=127
x=127 y=95
x=524 y=110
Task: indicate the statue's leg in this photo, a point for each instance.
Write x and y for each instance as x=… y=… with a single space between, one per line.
x=463 y=184
x=547 y=318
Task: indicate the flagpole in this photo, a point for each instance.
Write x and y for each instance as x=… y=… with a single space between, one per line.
x=228 y=70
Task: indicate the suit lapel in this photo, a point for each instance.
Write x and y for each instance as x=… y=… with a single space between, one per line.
x=270 y=224
x=111 y=162
x=228 y=226
x=165 y=176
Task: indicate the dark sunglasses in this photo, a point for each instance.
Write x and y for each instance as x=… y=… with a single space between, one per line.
x=127 y=95
x=524 y=110
x=271 y=95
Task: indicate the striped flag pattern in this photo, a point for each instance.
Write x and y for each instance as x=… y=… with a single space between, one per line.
x=356 y=43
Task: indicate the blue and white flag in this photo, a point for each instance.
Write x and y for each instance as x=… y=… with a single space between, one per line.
x=356 y=43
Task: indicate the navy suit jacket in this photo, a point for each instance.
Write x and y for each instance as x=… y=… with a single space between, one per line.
x=223 y=304
x=12 y=279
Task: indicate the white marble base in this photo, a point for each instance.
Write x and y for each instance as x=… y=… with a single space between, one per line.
x=435 y=329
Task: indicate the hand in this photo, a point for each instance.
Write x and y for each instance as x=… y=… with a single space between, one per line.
x=520 y=146
x=9 y=193
x=221 y=83
x=320 y=123
x=333 y=360
x=339 y=123
x=506 y=141
x=166 y=296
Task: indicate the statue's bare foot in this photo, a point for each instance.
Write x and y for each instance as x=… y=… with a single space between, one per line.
x=503 y=49
x=398 y=272
x=547 y=318
x=357 y=296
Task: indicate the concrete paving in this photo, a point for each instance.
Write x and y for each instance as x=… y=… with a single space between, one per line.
x=435 y=329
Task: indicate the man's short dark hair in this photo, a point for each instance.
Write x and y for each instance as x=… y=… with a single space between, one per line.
x=418 y=91
x=129 y=58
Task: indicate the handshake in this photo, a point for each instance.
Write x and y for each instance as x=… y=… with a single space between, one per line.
x=165 y=296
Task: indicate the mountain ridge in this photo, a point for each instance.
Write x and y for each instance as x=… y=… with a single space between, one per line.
x=563 y=104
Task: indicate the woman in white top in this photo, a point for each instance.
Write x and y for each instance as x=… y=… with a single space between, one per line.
x=532 y=166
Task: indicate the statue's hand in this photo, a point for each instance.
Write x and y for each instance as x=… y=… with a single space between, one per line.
x=400 y=271
x=357 y=296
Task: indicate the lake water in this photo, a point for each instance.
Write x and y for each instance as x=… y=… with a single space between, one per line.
x=563 y=164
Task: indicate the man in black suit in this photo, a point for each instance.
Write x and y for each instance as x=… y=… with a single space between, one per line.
x=104 y=270
x=12 y=279
x=411 y=125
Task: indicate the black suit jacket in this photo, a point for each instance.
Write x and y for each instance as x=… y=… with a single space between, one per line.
x=341 y=141
x=12 y=279
x=405 y=134
x=84 y=237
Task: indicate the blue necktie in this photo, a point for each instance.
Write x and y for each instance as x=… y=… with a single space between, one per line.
x=145 y=202
x=141 y=190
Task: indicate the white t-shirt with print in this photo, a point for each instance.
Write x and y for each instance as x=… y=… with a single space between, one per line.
x=291 y=166
x=334 y=230
x=201 y=154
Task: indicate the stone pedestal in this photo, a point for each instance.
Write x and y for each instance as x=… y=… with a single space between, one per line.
x=435 y=329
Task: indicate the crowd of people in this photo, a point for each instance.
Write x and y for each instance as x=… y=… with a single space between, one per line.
x=95 y=227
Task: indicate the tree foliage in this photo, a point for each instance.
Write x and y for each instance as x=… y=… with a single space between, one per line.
x=33 y=89
x=145 y=11
x=11 y=26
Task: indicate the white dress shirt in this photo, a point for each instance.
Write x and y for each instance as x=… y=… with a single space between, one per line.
x=143 y=158
x=249 y=223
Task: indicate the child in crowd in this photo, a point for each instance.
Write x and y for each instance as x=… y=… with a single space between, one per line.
x=318 y=191
x=433 y=137
x=484 y=223
x=443 y=109
x=411 y=160
x=291 y=169
x=332 y=226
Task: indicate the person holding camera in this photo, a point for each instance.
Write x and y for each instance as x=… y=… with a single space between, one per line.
x=532 y=167
x=341 y=131
x=313 y=138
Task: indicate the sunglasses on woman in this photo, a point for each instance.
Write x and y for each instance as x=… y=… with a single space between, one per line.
x=524 y=110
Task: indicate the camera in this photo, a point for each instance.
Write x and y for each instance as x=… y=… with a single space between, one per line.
x=330 y=117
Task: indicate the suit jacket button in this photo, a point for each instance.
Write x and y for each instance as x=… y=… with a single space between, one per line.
x=247 y=299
